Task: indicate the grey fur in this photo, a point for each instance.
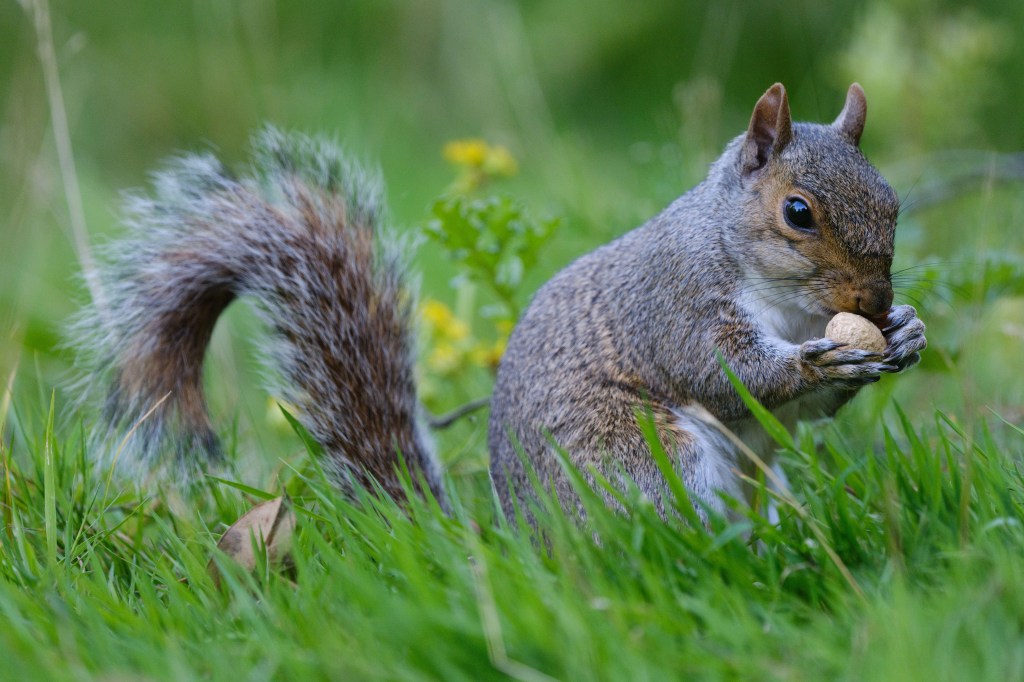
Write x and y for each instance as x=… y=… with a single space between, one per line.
x=300 y=234
x=638 y=321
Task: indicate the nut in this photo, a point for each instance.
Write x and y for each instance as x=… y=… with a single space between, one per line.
x=855 y=331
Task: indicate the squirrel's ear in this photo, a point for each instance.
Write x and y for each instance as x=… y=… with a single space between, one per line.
x=850 y=122
x=770 y=129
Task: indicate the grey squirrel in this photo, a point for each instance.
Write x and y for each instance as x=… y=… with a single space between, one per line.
x=791 y=225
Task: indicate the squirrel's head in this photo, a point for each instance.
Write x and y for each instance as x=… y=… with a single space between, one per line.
x=816 y=211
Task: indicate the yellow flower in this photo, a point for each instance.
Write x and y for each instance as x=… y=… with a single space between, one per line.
x=500 y=161
x=456 y=329
x=469 y=152
x=437 y=313
x=443 y=322
x=444 y=358
x=489 y=356
x=479 y=163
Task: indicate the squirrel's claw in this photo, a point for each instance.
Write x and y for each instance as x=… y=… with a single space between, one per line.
x=839 y=364
x=905 y=336
x=897 y=317
x=846 y=356
x=908 y=362
x=814 y=349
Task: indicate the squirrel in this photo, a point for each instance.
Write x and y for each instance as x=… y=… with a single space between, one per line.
x=791 y=225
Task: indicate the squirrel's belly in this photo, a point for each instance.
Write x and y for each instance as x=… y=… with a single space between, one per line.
x=709 y=468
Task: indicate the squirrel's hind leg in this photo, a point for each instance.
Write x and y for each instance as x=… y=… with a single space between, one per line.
x=706 y=462
x=702 y=457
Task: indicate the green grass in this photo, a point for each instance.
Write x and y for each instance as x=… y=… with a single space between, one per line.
x=100 y=581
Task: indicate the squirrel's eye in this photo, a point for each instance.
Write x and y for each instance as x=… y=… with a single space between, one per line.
x=798 y=213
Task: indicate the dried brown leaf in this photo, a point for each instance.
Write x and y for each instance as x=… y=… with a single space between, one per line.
x=268 y=527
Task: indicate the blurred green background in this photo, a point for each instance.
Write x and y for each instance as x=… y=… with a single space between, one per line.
x=612 y=109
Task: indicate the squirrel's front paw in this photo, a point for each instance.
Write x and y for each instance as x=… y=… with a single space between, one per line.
x=904 y=333
x=831 y=362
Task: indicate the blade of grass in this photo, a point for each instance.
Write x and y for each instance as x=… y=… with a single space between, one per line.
x=784 y=494
x=684 y=503
x=40 y=13
x=5 y=399
x=124 y=441
x=50 y=486
x=490 y=621
x=767 y=420
x=247 y=489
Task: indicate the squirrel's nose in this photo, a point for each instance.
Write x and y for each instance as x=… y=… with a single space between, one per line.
x=874 y=301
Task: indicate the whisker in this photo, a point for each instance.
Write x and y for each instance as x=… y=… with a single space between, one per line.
x=770 y=288
x=808 y=286
x=918 y=303
x=905 y=203
x=780 y=300
x=927 y=264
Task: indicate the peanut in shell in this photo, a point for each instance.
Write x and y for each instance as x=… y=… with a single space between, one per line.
x=855 y=331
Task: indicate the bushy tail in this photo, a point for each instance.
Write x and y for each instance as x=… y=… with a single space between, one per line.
x=300 y=235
